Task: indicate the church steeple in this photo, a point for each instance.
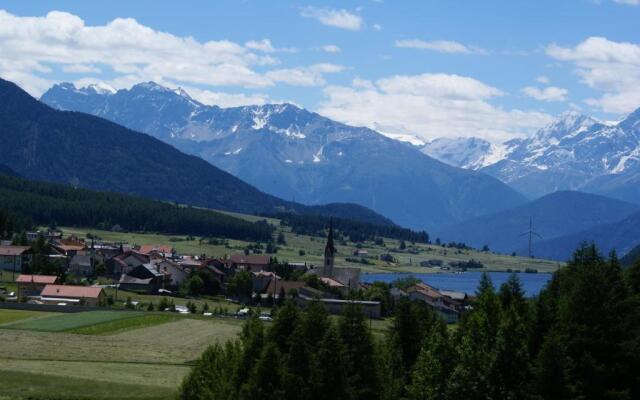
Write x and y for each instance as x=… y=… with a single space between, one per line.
x=329 y=253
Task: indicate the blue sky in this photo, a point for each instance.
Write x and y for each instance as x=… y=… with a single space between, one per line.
x=493 y=69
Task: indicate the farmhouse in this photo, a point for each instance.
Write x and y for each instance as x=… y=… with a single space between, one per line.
x=145 y=278
x=14 y=258
x=250 y=262
x=76 y=295
x=32 y=285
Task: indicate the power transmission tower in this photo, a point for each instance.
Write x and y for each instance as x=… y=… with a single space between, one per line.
x=531 y=233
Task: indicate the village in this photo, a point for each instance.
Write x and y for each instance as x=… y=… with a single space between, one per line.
x=99 y=274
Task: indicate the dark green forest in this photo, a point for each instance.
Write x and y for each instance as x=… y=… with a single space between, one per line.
x=37 y=203
x=579 y=339
x=355 y=231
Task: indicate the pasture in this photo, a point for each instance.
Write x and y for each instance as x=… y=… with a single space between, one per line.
x=102 y=356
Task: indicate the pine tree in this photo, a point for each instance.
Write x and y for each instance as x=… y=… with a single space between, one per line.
x=329 y=378
x=433 y=367
x=360 y=354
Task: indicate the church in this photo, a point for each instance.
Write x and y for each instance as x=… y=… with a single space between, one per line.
x=346 y=278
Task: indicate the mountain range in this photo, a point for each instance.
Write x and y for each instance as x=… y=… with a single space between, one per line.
x=564 y=214
x=41 y=143
x=293 y=153
x=575 y=152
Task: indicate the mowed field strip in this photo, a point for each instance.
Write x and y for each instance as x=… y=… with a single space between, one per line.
x=146 y=354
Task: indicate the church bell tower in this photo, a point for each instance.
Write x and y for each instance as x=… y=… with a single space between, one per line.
x=329 y=253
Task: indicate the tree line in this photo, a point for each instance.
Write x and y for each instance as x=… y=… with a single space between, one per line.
x=578 y=339
x=356 y=231
x=43 y=203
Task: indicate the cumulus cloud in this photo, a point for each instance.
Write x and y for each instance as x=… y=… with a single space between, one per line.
x=33 y=46
x=304 y=76
x=443 y=46
x=543 y=79
x=331 y=48
x=223 y=99
x=550 y=93
x=337 y=18
x=607 y=66
x=429 y=106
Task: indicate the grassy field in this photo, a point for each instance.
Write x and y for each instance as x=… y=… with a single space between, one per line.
x=313 y=248
x=11 y=316
x=141 y=356
x=67 y=322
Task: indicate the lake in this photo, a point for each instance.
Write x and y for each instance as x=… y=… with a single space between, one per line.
x=468 y=281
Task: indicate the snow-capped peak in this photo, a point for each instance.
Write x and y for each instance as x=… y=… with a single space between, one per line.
x=102 y=88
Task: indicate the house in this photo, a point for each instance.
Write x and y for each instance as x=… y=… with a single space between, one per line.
x=361 y=253
x=14 y=258
x=275 y=286
x=250 y=262
x=261 y=279
x=77 y=295
x=154 y=249
x=125 y=262
x=32 y=285
x=175 y=274
x=444 y=305
x=145 y=278
x=68 y=247
x=82 y=264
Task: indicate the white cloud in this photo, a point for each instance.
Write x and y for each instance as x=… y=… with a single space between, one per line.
x=331 y=48
x=607 y=66
x=33 y=46
x=223 y=99
x=377 y=27
x=429 y=106
x=628 y=2
x=443 y=46
x=543 y=79
x=337 y=18
x=263 y=45
x=550 y=93
x=304 y=76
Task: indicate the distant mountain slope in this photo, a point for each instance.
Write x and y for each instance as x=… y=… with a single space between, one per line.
x=554 y=215
x=296 y=154
x=470 y=153
x=575 y=152
x=41 y=143
x=623 y=236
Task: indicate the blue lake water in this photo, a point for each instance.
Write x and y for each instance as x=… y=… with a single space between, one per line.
x=468 y=281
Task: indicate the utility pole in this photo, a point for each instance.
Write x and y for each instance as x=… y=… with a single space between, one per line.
x=531 y=233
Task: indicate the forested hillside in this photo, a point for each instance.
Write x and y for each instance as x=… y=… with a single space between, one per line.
x=45 y=203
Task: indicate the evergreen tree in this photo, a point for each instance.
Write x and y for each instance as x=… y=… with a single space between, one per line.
x=266 y=379
x=215 y=375
x=283 y=325
x=433 y=367
x=329 y=378
x=360 y=354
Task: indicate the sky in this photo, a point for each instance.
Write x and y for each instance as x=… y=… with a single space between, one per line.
x=490 y=69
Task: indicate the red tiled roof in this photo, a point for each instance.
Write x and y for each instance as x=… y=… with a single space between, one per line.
x=149 y=248
x=258 y=259
x=426 y=290
x=45 y=279
x=13 y=250
x=71 y=291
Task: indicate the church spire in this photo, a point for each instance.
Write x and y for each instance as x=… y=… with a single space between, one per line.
x=329 y=253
